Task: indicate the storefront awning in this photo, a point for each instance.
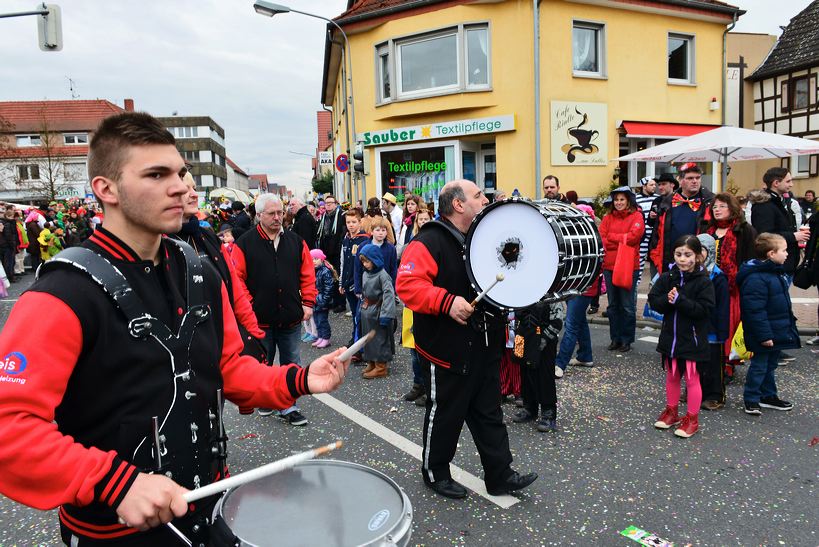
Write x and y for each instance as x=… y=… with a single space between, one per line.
x=663 y=130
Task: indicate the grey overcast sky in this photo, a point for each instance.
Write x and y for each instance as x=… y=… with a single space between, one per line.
x=259 y=78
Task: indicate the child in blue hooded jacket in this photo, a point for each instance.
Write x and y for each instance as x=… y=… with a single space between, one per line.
x=377 y=312
x=767 y=320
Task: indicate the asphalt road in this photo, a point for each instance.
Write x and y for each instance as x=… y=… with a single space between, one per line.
x=741 y=480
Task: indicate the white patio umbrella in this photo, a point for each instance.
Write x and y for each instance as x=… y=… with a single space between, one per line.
x=726 y=144
x=233 y=194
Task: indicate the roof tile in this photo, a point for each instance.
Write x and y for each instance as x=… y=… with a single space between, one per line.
x=74 y=115
x=797 y=48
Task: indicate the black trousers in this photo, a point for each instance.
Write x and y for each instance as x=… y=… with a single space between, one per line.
x=711 y=378
x=538 y=382
x=453 y=399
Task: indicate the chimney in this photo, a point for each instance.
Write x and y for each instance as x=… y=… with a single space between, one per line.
x=129 y=105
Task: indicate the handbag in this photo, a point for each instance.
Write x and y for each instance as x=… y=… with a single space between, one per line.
x=803 y=276
x=623 y=274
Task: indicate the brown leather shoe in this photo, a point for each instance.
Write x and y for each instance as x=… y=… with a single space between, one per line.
x=369 y=368
x=380 y=371
x=711 y=405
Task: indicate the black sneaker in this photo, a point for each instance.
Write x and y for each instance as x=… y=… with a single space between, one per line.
x=294 y=418
x=786 y=357
x=522 y=416
x=775 y=403
x=592 y=310
x=753 y=409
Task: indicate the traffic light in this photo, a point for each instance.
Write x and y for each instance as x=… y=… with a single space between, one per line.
x=358 y=163
x=49 y=28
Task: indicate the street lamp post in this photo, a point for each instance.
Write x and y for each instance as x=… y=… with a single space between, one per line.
x=270 y=9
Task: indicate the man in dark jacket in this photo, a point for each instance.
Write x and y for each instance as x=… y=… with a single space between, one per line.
x=240 y=219
x=773 y=217
x=9 y=241
x=303 y=222
x=680 y=213
x=331 y=232
x=460 y=349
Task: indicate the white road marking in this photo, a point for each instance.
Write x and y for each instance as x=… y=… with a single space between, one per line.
x=467 y=479
x=9 y=300
x=652 y=339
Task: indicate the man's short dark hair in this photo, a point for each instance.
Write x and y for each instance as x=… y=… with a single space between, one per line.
x=237 y=206
x=774 y=174
x=811 y=192
x=109 y=145
x=554 y=178
x=447 y=197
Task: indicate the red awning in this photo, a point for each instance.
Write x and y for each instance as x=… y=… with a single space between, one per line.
x=664 y=130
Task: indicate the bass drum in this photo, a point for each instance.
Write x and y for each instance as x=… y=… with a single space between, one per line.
x=318 y=502
x=546 y=250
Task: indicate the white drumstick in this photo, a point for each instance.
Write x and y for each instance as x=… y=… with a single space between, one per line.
x=258 y=473
x=498 y=279
x=357 y=345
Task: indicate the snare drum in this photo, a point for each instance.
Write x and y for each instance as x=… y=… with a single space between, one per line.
x=546 y=250
x=318 y=502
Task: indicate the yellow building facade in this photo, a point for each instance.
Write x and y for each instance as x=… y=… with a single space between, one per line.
x=447 y=90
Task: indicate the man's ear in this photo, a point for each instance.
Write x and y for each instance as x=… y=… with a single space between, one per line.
x=106 y=190
x=458 y=205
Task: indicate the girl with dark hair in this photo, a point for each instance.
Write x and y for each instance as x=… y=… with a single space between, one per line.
x=735 y=245
x=622 y=224
x=685 y=296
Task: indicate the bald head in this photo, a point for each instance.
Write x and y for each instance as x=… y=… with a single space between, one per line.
x=460 y=200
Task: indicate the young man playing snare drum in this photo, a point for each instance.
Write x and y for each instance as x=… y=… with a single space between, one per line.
x=80 y=391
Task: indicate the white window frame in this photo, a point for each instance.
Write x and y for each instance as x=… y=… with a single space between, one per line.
x=795 y=172
x=28 y=140
x=75 y=137
x=28 y=168
x=691 y=61
x=392 y=49
x=600 y=27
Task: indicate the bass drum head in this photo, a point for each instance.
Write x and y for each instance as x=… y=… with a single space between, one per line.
x=318 y=502
x=512 y=238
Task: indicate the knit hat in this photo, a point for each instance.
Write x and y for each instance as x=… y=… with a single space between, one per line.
x=389 y=197
x=318 y=253
x=645 y=180
x=710 y=245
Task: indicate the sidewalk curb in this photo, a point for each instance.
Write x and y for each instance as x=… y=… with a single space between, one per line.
x=642 y=323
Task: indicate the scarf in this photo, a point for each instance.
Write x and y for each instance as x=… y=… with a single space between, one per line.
x=410 y=219
x=694 y=203
x=727 y=259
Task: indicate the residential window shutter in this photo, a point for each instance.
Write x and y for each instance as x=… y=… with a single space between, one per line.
x=783 y=100
x=786 y=163
x=814 y=165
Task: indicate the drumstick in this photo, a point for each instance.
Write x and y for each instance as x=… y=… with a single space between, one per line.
x=258 y=473
x=498 y=278
x=357 y=345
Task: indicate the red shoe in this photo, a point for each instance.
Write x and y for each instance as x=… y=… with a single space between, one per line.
x=668 y=418
x=689 y=425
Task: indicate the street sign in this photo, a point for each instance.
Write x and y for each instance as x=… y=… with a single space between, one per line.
x=325 y=158
x=342 y=163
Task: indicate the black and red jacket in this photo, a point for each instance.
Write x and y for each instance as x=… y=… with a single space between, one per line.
x=432 y=273
x=78 y=391
x=280 y=280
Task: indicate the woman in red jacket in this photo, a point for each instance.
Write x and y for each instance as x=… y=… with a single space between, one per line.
x=622 y=224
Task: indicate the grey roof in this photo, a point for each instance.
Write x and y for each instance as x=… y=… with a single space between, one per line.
x=797 y=48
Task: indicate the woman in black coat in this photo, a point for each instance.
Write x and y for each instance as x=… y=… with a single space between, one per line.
x=810 y=258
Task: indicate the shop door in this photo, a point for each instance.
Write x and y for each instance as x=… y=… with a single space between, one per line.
x=469 y=162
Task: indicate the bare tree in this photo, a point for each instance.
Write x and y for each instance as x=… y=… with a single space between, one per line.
x=48 y=174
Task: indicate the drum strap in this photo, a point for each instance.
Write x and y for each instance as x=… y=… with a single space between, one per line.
x=453 y=230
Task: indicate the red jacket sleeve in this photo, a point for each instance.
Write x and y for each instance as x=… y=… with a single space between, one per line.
x=308 y=278
x=604 y=234
x=41 y=467
x=250 y=384
x=636 y=229
x=242 y=306
x=414 y=282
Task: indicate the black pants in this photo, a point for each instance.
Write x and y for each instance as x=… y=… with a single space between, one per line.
x=711 y=379
x=7 y=256
x=453 y=399
x=538 y=383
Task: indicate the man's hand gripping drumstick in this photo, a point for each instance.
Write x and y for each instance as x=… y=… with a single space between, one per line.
x=461 y=310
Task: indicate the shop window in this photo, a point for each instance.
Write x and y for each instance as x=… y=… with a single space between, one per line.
x=680 y=58
x=446 y=61
x=28 y=172
x=75 y=138
x=588 y=49
x=419 y=171
x=29 y=140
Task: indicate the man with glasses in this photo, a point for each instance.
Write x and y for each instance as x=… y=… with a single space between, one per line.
x=330 y=236
x=276 y=267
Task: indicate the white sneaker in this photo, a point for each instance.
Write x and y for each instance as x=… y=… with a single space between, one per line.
x=558 y=372
x=575 y=363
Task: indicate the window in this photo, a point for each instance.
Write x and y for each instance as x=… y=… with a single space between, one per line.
x=28 y=172
x=29 y=140
x=75 y=138
x=801 y=93
x=190 y=155
x=680 y=58
x=75 y=172
x=588 y=42
x=447 y=61
x=800 y=166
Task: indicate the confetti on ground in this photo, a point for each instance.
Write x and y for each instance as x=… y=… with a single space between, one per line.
x=814 y=441
x=603 y=418
x=645 y=538
x=248 y=436
x=393 y=409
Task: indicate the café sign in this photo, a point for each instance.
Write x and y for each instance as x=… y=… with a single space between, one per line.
x=438 y=130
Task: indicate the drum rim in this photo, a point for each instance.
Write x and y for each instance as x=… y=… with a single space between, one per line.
x=402 y=528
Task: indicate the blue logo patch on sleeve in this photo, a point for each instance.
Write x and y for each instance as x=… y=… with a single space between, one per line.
x=11 y=366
